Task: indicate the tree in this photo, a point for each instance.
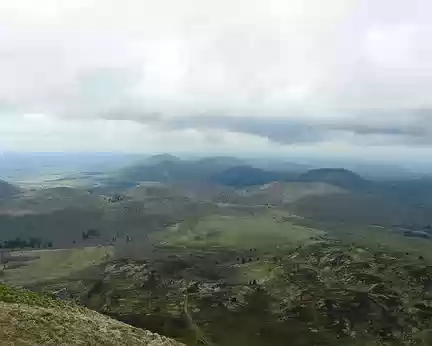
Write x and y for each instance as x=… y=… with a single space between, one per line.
x=91 y=233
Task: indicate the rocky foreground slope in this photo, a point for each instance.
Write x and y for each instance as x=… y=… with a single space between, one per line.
x=27 y=318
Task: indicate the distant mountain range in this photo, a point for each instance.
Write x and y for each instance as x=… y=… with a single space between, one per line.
x=171 y=169
x=330 y=194
x=230 y=171
x=333 y=195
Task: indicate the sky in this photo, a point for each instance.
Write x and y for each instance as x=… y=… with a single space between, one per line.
x=312 y=77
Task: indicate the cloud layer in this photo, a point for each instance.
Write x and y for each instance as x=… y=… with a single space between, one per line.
x=203 y=74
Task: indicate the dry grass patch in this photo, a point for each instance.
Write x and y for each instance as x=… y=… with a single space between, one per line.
x=27 y=318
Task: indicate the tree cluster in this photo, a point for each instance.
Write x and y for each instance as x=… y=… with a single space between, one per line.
x=32 y=242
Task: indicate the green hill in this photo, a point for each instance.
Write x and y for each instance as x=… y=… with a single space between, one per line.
x=242 y=176
x=277 y=193
x=28 y=318
x=335 y=176
x=156 y=159
x=44 y=201
x=167 y=169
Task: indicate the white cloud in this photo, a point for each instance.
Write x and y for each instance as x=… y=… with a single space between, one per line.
x=98 y=69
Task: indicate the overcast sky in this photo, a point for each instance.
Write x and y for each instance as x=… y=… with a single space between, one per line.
x=275 y=76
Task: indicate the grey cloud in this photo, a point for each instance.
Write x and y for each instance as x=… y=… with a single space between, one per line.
x=414 y=127
x=406 y=127
x=379 y=127
x=415 y=123
x=284 y=131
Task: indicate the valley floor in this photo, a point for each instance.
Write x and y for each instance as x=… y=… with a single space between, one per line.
x=248 y=279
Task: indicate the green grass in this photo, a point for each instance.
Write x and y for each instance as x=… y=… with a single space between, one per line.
x=54 y=264
x=261 y=231
x=28 y=318
x=374 y=237
x=261 y=271
x=15 y=295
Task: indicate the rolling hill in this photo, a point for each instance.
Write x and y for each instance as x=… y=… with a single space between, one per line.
x=241 y=176
x=400 y=204
x=228 y=171
x=167 y=169
x=216 y=249
x=335 y=176
x=363 y=209
x=28 y=318
x=156 y=159
x=50 y=200
x=221 y=161
x=280 y=193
